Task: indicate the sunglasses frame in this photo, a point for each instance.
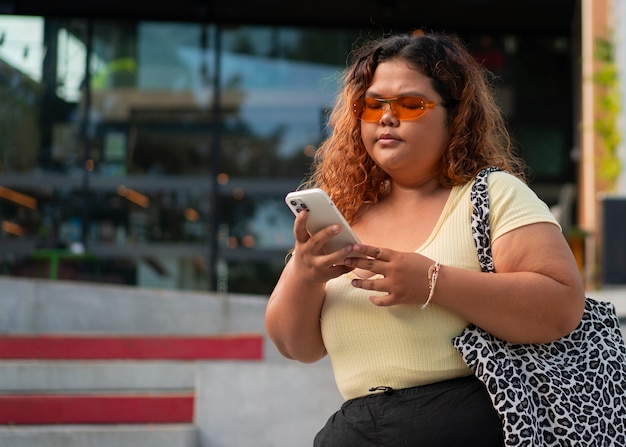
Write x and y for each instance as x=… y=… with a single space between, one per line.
x=359 y=107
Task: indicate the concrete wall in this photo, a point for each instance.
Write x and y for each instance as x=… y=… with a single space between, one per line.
x=263 y=405
x=270 y=403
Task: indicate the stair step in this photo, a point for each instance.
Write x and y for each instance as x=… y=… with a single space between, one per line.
x=95 y=375
x=87 y=346
x=45 y=307
x=136 y=435
x=110 y=408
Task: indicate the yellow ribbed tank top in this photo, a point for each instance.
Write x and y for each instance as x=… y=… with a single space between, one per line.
x=403 y=346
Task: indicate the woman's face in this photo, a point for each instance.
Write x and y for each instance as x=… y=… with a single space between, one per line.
x=409 y=151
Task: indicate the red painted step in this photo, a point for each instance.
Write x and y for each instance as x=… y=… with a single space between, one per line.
x=45 y=409
x=153 y=347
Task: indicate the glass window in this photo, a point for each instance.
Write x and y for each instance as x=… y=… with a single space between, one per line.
x=158 y=154
x=140 y=177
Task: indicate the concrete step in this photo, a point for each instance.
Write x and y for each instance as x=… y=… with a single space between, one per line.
x=96 y=408
x=166 y=435
x=100 y=394
x=84 y=346
x=89 y=408
x=40 y=307
x=21 y=376
x=260 y=402
x=106 y=393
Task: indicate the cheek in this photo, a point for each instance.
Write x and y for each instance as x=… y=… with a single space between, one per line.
x=368 y=133
x=444 y=138
x=364 y=127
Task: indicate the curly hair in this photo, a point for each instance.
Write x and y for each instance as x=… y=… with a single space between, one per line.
x=478 y=134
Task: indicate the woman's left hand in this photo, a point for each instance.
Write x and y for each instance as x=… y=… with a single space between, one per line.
x=403 y=276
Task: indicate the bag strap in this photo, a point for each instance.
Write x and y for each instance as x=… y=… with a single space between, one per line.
x=479 y=196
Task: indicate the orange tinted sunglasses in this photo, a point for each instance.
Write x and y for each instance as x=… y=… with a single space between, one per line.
x=405 y=108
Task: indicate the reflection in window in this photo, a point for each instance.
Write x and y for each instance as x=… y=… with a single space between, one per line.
x=130 y=155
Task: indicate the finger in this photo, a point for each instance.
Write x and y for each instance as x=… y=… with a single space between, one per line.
x=375 y=259
x=378 y=253
x=373 y=265
x=299 y=227
x=382 y=300
x=382 y=297
x=338 y=270
x=369 y=284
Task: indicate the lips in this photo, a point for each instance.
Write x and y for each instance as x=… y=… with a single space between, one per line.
x=386 y=137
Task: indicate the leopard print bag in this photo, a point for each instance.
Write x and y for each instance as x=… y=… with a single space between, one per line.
x=570 y=392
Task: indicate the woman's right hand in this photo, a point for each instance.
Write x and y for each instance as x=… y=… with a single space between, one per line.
x=312 y=264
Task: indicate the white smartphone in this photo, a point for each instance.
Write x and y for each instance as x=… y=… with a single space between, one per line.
x=322 y=213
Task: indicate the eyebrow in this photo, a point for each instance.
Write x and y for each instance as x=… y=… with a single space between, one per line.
x=376 y=95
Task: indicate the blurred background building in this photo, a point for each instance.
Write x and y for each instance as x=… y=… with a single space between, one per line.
x=153 y=146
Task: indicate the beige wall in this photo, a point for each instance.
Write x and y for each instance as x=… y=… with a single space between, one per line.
x=594 y=25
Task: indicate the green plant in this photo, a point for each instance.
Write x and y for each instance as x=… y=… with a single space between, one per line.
x=609 y=106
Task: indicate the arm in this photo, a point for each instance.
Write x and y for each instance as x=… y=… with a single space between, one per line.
x=536 y=295
x=292 y=317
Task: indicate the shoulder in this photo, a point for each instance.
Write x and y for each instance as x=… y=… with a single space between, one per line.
x=503 y=178
x=499 y=186
x=505 y=185
x=513 y=203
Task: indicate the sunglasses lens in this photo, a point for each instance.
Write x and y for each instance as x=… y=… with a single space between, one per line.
x=405 y=108
x=409 y=108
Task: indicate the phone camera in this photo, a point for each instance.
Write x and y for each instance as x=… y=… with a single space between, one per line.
x=294 y=202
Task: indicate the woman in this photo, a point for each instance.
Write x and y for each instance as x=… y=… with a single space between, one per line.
x=414 y=125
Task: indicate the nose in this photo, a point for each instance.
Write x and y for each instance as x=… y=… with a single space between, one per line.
x=387 y=112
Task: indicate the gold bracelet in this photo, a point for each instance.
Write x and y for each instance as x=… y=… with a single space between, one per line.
x=433 y=274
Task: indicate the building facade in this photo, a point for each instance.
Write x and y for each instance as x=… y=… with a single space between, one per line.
x=154 y=148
